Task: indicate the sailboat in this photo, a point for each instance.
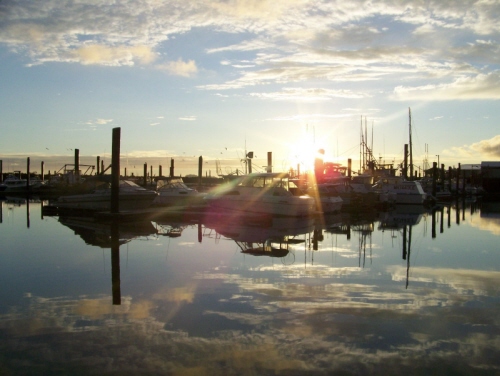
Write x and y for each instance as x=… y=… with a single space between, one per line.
x=399 y=190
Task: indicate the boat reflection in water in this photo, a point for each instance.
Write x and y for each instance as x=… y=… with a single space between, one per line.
x=100 y=234
x=271 y=238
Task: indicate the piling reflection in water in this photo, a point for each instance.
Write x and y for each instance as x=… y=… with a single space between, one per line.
x=185 y=299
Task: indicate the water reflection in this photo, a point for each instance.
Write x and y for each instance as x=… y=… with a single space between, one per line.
x=196 y=304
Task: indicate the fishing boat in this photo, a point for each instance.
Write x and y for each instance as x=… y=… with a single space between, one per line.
x=174 y=192
x=14 y=184
x=397 y=190
x=131 y=197
x=327 y=199
x=261 y=193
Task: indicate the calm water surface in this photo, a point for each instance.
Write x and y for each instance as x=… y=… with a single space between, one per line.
x=399 y=292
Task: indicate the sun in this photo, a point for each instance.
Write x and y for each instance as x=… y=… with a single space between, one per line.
x=304 y=151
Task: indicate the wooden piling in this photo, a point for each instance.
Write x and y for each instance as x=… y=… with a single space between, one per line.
x=1 y=171
x=77 y=164
x=115 y=171
x=434 y=176
x=159 y=171
x=449 y=178
x=200 y=166
x=42 y=165
x=463 y=182
x=269 y=161
x=145 y=174
x=28 y=174
x=441 y=178
x=349 y=168
x=98 y=164
x=405 y=165
x=171 y=167
x=458 y=177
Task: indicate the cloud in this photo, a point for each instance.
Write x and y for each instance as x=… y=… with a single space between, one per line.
x=103 y=121
x=188 y=118
x=489 y=147
x=482 y=86
x=180 y=68
x=105 y=55
x=313 y=94
x=481 y=150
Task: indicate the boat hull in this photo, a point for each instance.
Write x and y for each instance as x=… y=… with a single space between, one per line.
x=287 y=206
x=103 y=202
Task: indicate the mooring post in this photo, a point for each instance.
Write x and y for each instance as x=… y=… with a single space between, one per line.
x=28 y=174
x=41 y=168
x=405 y=165
x=349 y=168
x=458 y=177
x=159 y=171
x=434 y=173
x=1 y=171
x=449 y=178
x=200 y=166
x=172 y=167
x=98 y=164
x=144 y=182
x=115 y=171
x=269 y=161
x=151 y=174
x=463 y=182
x=442 y=176
x=77 y=164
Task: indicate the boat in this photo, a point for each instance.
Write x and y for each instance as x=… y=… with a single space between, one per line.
x=15 y=184
x=327 y=200
x=174 y=192
x=397 y=190
x=131 y=197
x=260 y=193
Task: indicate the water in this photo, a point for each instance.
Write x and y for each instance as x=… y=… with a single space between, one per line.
x=402 y=292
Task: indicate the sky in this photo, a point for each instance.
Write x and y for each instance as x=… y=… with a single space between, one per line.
x=184 y=79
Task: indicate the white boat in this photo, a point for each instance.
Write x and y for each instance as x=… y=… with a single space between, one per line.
x=131 y=197
x=14 y=184
x=397 y=190
x=327 y=200
x=261 y=193
x=174 y=192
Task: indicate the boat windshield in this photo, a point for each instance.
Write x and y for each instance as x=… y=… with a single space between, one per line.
x=264 y=182
x=171 y=184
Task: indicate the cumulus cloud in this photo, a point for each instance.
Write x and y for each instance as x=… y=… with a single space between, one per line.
x=180 y=68
x=481 y=86
x=105 y=55
x=489 y=147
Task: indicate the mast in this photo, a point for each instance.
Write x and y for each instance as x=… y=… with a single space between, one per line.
x=411 y=151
